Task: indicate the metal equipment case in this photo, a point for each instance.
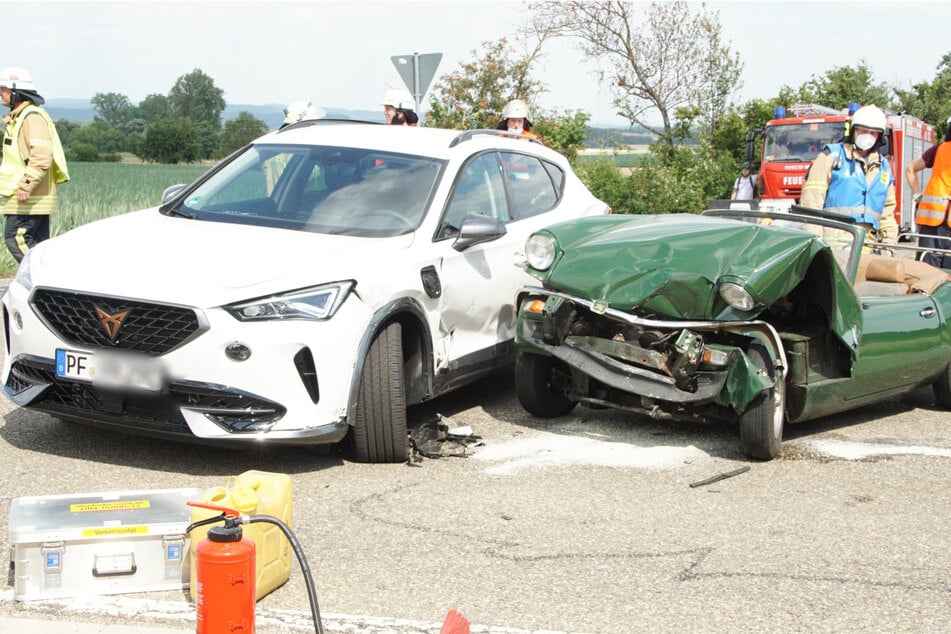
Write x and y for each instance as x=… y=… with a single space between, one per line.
x=100 y=543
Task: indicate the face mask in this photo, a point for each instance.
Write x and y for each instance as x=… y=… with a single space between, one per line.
x=864 y=141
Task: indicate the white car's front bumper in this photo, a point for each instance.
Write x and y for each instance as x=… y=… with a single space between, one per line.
x=293 y=388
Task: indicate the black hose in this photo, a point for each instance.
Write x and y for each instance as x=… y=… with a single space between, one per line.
x=210 y=520
x=301 y=559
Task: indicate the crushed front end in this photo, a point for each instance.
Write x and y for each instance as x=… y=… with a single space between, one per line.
x=665 y=368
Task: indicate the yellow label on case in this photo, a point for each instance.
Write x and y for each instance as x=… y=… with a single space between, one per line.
x=115 y=530
x=109 y=506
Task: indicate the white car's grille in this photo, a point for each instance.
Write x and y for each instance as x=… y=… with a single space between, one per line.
x=115 y=323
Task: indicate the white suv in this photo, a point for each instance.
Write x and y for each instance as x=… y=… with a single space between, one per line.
x=306 y=290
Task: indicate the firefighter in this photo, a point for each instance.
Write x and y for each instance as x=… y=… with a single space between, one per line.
x=404 y=116
x=301 y=111
x=515 y=119
x=931 y=210
x=33 y=163
x=854 y=179
x=394 y=100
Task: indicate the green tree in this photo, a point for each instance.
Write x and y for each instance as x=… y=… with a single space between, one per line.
x=930 y=101
x=841 y=85
x=657 y=57
x=101 y=136
x=64 y=129
x=473 y=96
x=171 y=141
x=113 y=108
x=153 y=108
x=240 y=131
x=83 y=152
x=195 y=96
x=564 y=133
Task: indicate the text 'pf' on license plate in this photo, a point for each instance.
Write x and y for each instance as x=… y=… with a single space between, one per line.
x=111 y=369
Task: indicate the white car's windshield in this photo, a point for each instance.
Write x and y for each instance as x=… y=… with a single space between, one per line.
x=323 y=189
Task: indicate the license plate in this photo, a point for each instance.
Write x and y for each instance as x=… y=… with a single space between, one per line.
x=111 y=370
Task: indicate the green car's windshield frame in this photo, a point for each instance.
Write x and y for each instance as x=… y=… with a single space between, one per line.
x=840 y=233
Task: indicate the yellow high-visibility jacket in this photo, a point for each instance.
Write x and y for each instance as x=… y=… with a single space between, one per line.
x=33 y=160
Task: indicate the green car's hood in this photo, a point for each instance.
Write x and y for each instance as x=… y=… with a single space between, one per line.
x=669 y=266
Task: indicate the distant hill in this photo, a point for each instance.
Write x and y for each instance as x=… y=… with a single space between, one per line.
x=272 y=114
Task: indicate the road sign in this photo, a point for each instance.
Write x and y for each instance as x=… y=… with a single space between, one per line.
x=417 y=72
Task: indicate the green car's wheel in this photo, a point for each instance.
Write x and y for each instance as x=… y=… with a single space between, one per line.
x=761 y=424
x=942 y=388
x=540 y=383
x=379 y=426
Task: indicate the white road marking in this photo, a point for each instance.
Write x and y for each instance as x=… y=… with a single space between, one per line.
x=854 y=450
x=179 y=616
x=546 y=450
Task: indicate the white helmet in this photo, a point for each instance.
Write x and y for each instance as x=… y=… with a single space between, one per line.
x=515 y=109
x=302 y=111
x=399 y=99
x=16 y=79
x=870 y=117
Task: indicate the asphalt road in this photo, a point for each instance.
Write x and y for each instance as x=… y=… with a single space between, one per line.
x=585 y=524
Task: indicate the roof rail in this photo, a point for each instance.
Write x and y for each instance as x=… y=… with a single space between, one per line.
x=306 y=123
x=468 y=134
x=813 y=109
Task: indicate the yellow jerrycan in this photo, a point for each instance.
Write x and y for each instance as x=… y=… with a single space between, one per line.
x=252 y=493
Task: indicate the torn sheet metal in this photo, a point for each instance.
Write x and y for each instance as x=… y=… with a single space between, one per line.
x=441 y=437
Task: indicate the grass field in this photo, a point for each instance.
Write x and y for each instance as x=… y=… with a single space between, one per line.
x=628 y=157
x=100 y=190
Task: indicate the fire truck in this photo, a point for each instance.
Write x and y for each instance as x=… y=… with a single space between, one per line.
x=783 y=149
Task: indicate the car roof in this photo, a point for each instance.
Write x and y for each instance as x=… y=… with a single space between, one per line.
x=434 y=142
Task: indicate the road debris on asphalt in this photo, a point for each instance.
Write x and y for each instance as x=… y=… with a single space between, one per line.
x=719 y=476
x=441 y=437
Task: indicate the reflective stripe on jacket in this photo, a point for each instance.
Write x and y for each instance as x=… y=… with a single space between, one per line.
x=933 y=205
x=851 y=194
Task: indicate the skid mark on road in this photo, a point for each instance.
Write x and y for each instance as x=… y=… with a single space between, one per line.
x=546 y=450
x=854 y=450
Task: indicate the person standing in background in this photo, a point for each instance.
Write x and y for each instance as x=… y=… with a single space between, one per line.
x=33 y=163
x=931 y=206
x=744 y=188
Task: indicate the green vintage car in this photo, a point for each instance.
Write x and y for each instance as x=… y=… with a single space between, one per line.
x=729 y=315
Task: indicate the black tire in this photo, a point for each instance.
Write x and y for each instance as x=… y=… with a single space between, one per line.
x=761 y=424
x=379 y=427
x=540 y=383
x=942 y=388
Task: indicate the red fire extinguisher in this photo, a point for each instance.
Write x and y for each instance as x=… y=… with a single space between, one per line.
x=225 y=576
x=225 y=595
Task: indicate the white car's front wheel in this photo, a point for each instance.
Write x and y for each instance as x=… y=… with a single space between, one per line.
x=379 y=427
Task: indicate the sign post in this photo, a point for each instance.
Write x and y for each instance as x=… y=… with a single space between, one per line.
x=417 y=71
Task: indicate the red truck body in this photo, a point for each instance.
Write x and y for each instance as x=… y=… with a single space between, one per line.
x=784 y=148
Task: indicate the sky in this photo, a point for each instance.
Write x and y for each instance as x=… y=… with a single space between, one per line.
x=338 y=54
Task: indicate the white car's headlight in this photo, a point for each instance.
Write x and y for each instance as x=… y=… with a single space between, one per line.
x=540 y=251
x=23 y=276
x=319 y=302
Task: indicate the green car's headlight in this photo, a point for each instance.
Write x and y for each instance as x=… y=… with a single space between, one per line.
x=319 y=302
x=737 y=296
x=540 y=251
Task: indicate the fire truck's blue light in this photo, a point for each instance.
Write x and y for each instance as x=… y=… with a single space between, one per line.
x=853 y=106
x=779 y=112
